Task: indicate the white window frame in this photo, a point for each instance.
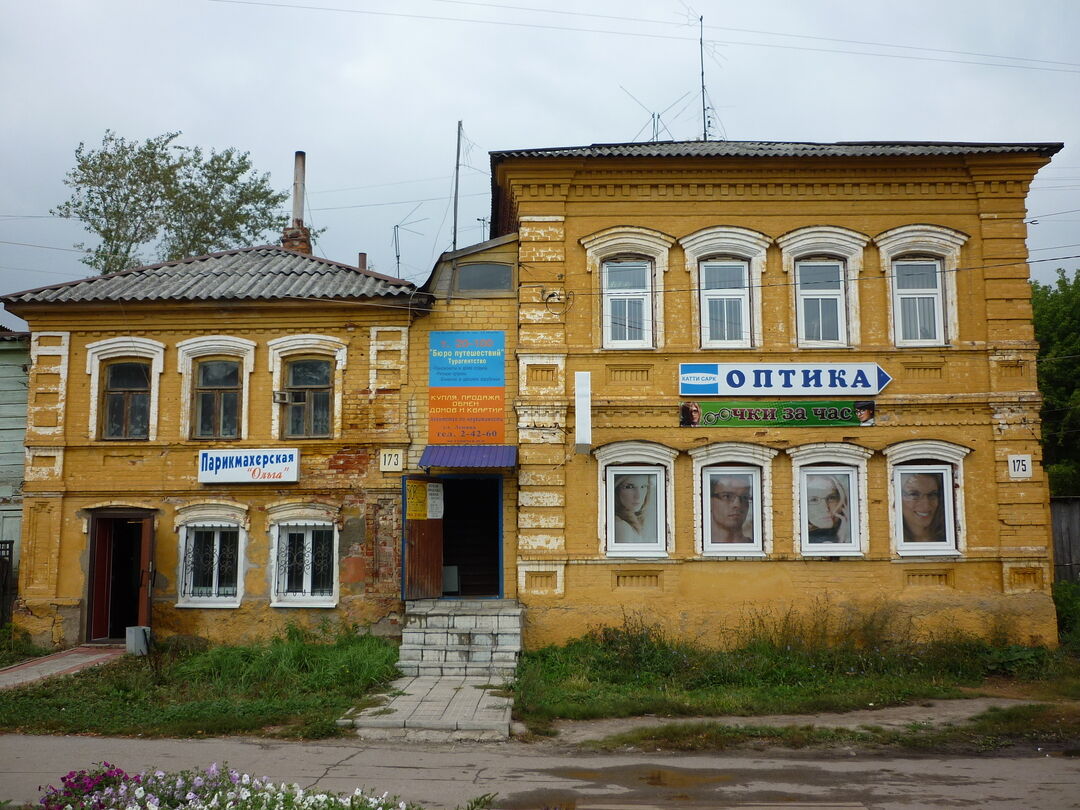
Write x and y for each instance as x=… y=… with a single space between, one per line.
x=737 y=244
x=292 y=514
x=223 y=346
x=642 y=294
x=918 y=293
x=743 y=295
x=615 y=547
x=828 y=458
x=210 y=514
x=733 y=456
x=101 y=352
x=919 y=241
x=820 y=241
x=803 y=296
x=281 y=349
x=934 y=456
x=623 y=242
x=625 y=457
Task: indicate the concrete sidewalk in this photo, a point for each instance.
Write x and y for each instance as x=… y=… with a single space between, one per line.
x=436 y=709
x=61 y=663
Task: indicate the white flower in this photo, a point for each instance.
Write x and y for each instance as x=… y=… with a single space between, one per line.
x=139 y=792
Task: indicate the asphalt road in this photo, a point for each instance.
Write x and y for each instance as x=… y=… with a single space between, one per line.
x=528 y=776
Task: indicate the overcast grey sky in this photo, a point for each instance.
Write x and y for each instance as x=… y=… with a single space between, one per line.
x=372 y=90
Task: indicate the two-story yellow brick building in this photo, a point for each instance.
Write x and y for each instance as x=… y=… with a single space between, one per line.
x=701 y=381
x=201 y=447
x=760 y=376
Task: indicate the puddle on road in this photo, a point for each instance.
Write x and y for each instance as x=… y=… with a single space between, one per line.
x=642 y=785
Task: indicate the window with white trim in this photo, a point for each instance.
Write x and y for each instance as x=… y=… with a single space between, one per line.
x=212 y=538
x=215 y=371
x=725 y=303
x=210 y=564
x=124 y=382
x=917 y=302
x=921 y=262
x=636 y=498
x=628 y=303
x=308 y=373
x=824 y=263
x=628 y=264
x=822 y=300
x=733 y=499
x=830 y=498
x=729 y=307
x=305 y=564
x=926 y=496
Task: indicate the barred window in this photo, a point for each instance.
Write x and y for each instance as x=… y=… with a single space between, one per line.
x=211 y=565
x=305 y=563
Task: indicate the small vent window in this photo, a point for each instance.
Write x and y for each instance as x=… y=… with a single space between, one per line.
x=478 y=278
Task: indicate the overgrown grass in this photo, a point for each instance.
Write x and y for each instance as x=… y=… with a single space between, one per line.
x=1067 y=603
x=787 y=665
x=295 y=686
x=993 y=729
x=15 y=646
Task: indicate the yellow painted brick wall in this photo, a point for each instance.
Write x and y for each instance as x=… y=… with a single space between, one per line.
x=71 y=472
x=979 y=391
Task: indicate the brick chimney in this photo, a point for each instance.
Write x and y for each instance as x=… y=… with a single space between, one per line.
x=296 y=236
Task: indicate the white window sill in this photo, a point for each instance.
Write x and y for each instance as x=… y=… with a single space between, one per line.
x=305 y=603
x=209 y=603
x=651 y=554
x=928 y=552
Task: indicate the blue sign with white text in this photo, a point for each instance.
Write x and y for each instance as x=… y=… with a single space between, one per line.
x=790 y=379
x=467 y=360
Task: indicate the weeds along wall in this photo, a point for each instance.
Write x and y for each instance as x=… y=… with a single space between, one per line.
x=113 y=442
x=911 y=261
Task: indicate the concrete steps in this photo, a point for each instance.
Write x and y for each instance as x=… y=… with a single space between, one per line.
x=461 y=638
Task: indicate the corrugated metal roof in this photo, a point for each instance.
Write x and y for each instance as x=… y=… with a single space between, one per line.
x=469 y=455
x=249 y=274
x=778 y=149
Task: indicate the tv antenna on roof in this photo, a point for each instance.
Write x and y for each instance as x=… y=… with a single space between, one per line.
x=402 y=226
x=656 y=121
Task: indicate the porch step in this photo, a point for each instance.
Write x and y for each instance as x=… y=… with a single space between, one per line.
x=461 y=637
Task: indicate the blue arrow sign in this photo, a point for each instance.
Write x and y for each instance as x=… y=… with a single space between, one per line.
x=790 y=379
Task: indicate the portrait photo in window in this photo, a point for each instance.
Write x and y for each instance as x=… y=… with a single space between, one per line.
x=828 y=507
x=635 y=506
x=732 y=507
x=924 y=505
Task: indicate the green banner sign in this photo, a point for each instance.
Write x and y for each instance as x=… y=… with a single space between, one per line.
x=776 y=414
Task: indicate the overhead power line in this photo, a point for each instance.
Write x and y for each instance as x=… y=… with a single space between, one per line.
x=640 y=34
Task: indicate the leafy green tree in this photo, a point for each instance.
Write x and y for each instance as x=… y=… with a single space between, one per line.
x=1057 y=328
x=176 y=199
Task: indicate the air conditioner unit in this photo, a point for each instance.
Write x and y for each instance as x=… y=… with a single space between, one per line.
x=281 y=397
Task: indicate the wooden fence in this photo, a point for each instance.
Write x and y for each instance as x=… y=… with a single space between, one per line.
x=1065 y=516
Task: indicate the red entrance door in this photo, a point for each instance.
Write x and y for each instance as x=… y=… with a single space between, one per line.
x=422 y=550
x=121 y=574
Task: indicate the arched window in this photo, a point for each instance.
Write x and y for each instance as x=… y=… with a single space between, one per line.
x=308 y=374
x=824 y=263
x=921 y=262
x=636 y=499
x=124 y=374
x=213 y=537
x=926 y=497
x=726 y=264
x=630 y=263
x=733 y=499
x=830 y=498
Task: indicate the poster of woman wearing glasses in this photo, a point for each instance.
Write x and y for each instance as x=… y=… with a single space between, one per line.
x=732 y=515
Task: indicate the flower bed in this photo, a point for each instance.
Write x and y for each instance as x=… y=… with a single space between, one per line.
x=106 y=787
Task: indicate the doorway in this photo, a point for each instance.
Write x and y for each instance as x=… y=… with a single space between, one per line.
x=472 y=536
x=121 y=573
